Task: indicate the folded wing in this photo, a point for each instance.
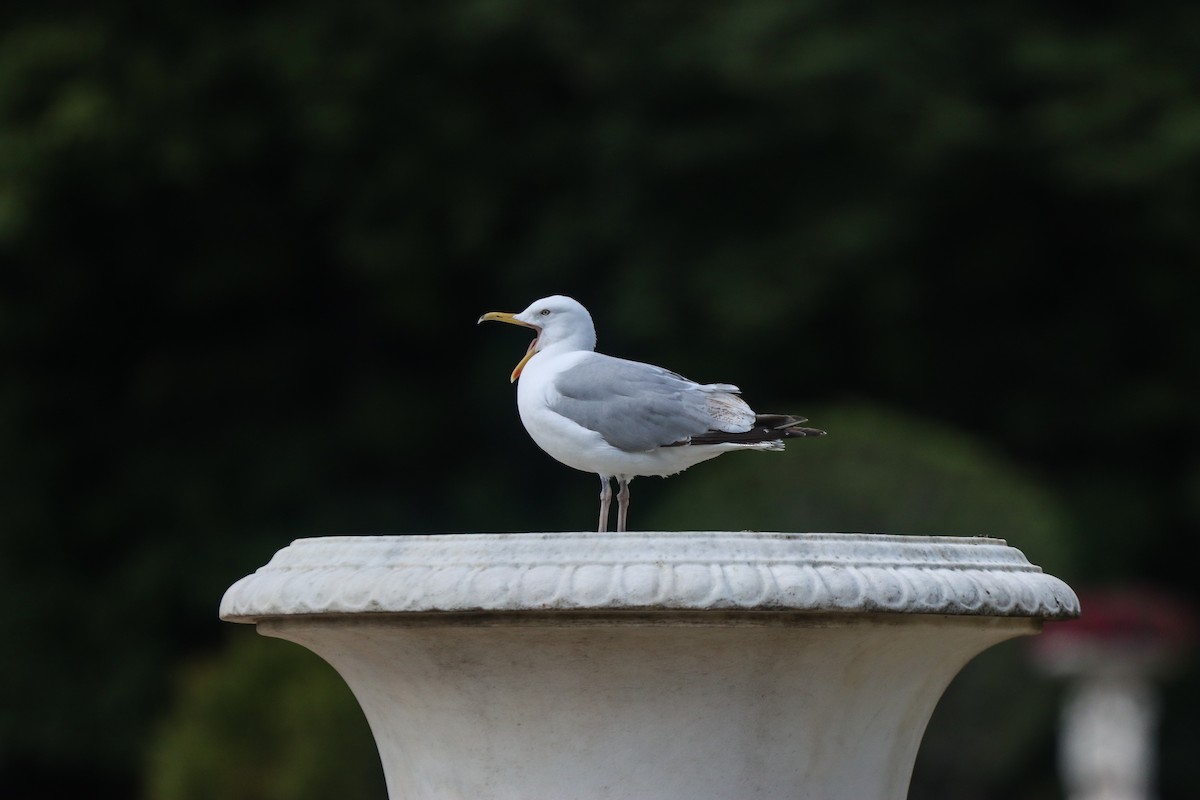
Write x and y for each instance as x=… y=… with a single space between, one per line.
x=638 y=407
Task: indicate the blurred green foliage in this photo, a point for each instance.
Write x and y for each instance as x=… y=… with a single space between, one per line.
x=305 y=739
x=242 y=249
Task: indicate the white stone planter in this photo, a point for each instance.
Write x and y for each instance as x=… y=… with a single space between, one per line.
x=648 y=665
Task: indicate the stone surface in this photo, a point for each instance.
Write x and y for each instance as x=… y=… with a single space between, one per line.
x=648 y=665
x=688 y=570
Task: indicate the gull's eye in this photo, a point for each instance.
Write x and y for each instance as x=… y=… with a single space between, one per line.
x=545 y=312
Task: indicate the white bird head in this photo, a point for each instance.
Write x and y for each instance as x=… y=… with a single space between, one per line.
x=561 y=323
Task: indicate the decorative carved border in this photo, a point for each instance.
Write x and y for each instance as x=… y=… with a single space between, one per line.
x=746 y=571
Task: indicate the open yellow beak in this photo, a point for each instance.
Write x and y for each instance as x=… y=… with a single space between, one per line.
x=511 y=319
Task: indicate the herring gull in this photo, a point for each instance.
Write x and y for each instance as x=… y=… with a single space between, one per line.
x=620 y=419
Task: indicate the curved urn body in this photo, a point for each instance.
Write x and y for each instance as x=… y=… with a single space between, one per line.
x=648 y=665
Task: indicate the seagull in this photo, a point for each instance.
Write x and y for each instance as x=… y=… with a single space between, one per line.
x=621 y=419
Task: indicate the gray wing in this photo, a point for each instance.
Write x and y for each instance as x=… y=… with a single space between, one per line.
x=638 y=407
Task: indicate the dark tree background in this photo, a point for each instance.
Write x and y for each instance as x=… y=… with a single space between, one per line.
x=242 y=250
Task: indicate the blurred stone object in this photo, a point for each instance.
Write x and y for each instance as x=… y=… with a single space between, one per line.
x=1112 y=655
x=677 y=666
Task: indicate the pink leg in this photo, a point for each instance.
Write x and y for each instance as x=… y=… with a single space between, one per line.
x=622 y=504
x=605 y=500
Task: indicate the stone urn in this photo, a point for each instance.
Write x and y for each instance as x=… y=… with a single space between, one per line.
x=683 y=665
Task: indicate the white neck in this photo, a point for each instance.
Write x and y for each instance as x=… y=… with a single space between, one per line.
x=558 y=342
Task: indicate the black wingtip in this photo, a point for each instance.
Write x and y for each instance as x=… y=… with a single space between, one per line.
x=767 y=428
x=786 y=425
x=788 y=432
